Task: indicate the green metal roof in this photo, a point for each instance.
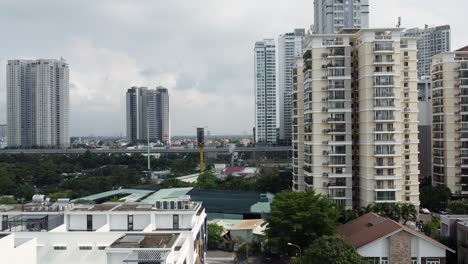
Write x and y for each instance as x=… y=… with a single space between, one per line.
x=132 y=195
x=166 y=194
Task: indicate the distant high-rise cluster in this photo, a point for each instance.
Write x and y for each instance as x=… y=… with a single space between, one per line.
x=289 y=46
x=265 y=91
x=38 y=103
x=148 y=115
x=359 y=117
x=431 y=41
x=330 y=16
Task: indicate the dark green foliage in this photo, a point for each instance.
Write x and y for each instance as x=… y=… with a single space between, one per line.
x=215 y=238
x=458 y=206
x=434 y=197
x=207 y=181
x=8 y=200
x=332 y=250
x=347 y=215
x=431 y=228
x=274 y=180
x=300 y=218
x=396 y=211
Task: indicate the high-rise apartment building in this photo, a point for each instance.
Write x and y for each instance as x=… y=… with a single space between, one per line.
x=424 y=127
x=265 y=91
x=450 y=120
x=148 y=115
x=289 y=47
x=431 y=41
x=3 y=131
x=360 y=117
x=38 y=103
x=330 y=16
x=298 y=124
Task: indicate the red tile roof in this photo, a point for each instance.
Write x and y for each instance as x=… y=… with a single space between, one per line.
x=463 y=49
x=371 y=227
x=232 y=170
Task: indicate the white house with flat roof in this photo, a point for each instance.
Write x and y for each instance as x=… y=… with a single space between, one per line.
x=166 y=231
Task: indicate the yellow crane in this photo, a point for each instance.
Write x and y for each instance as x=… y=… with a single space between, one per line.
x=201 y=144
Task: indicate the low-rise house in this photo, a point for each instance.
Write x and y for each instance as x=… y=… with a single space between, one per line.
x=383 y=241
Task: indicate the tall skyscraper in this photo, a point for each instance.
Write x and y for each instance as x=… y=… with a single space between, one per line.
x=3 y=131
x=148 y=115
x=289 y=46
x=431 y=41
x=360 y=134
x=38 y=103
x=265 y=91
x=450 y=120
x=330 y=16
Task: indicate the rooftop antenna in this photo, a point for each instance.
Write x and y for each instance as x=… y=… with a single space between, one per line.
x=399 y=22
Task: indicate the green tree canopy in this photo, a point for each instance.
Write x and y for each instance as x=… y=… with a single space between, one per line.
x=458 y=206
x=215 y=238
x=435 y=197
x=396 y=211
x=207 y=181
x=332 y=250
x=408 y=212
x=300 y=218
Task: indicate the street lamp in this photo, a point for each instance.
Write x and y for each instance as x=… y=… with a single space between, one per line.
x=300 y=251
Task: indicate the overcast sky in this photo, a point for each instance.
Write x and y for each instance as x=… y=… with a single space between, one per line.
x=201 y=50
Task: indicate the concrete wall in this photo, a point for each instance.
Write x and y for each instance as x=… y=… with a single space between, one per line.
x=24 y=253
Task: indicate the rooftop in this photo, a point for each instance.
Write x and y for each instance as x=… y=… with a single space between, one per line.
x=371 y=227
x=145 y=241
x=164 y=194
x=128 y=195
x=134 y=207
x=93 y=207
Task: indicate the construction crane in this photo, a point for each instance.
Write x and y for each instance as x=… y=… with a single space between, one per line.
x=201 y=145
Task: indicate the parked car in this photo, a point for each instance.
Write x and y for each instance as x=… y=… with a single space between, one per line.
x=424 y=211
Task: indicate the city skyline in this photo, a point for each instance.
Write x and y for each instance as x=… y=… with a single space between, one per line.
x=110 y=54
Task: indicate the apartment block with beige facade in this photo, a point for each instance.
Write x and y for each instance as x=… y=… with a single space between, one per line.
x=327 y=116
x=450 y=120
x=298 y=124
x=386 y=109
x=360 y=117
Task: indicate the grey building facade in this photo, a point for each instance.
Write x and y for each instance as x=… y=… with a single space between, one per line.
x=37 y=103
x=265 y=91
x=431 y=41
x=330 y=16
x=148 y=115
x=424 y=127
x=289 y=47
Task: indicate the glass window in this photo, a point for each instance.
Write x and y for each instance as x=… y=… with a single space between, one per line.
x=175 y=221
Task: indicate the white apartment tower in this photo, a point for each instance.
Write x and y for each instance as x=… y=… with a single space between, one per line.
x=450 y=120
x=38 y=103
x=330 y=16
x=360 y=117
x=289 y=47
x=265 y=91
x=431 y=41
x=148 y=115
x=298 y=124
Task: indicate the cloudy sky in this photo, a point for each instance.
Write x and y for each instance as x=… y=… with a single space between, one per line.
x=202 y=50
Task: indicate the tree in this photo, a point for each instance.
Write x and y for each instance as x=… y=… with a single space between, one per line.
x=408 y=212
x=332 y=250
x=389 y=210
x=431 y=227
x=8 y=200
x=58 y=195
x=435 y=197
x=347 y=215
x=215 y=238
x=206 y=181
x=273 y=180
x=300 y=218
x=458 y=206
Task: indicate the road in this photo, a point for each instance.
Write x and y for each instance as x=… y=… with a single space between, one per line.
x=143 y=151
x=219 y=257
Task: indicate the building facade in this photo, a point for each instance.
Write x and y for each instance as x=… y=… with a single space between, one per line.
x=360 y=117
x=424 y=127
x=450 y=120
x=330 y=16
x=38 y=103
x=265 y=91
x=431 y=41
x=3 y=131
x=289 y=47
x=148 y=115
x=168 y=231
x=298 y=124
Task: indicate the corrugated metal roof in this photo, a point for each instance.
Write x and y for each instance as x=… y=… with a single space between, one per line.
x=132 y=195
x=166 y=194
